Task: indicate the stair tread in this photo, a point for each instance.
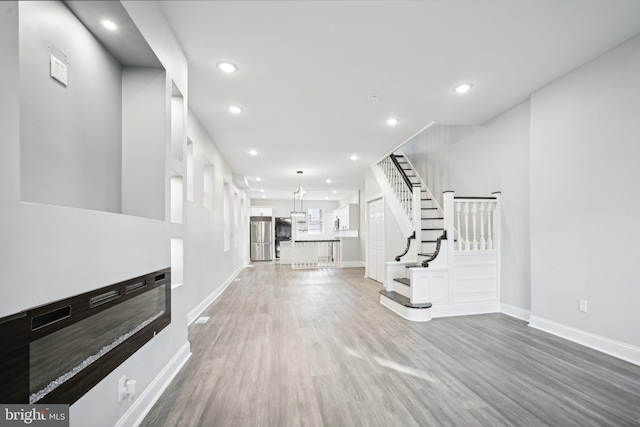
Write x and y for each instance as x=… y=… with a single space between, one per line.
x=425 y=219
x=403 y=280
x=426 y=255
x=429 y=241
x=432 y=229
x=424 y=209
x=402 y=300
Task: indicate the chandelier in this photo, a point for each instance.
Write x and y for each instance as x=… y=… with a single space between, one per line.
x=298 y=195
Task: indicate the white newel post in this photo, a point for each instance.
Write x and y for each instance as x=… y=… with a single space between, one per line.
x=448 y=207
x=497 y=226
x=416 y=221
x=496 y=220
x=458 y=208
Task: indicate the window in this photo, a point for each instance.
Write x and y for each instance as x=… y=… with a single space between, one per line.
x=315 y=221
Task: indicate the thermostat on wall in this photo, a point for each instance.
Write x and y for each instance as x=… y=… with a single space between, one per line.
x=58 y=70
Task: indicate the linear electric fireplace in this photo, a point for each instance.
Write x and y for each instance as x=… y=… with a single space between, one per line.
x=57 y=352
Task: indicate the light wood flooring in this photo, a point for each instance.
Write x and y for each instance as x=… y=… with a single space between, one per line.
x=315 y=347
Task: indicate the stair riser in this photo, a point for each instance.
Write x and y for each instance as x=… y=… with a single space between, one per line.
x=430 y=213
x=402 y=289
x=431 y=234
x=432 y=223
x=428 y=248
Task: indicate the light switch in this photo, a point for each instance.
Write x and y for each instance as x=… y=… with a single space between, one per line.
x=59 y=70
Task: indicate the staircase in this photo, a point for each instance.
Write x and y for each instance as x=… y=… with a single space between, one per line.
x=431 y=215
x=435 y=276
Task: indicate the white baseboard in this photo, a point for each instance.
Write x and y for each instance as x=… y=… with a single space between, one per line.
x=197 y=311
x=513 y=311
x=611 y=347
x=465 y=309
x=143 y=404
x=413 y=314
x=352 y=264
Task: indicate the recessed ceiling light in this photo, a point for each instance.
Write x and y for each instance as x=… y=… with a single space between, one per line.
x=264 y=197
x=253 y=152
x=335 y=191
x=354 y=157
x=326 y=198
x=262 y=190
x=258 y=179
x=234 y=109
x=463 y=88
x=227 y=67
x=328 y=181
x=392 y=121
x=109 y=25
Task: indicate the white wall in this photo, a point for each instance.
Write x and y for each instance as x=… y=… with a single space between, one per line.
x=208 y=267
x=70 y=136
x=584 y=197
x=476 y=161
x=144 y=122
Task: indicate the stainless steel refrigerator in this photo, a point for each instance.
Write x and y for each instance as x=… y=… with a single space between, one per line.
x=261 y=238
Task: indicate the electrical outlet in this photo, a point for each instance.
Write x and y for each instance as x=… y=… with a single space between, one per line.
x=122 y=388
x=583 y=305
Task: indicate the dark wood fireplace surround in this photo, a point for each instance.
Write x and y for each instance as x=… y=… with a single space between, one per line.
x=18 y=331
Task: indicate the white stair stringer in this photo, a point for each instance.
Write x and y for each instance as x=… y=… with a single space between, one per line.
x=391 y=200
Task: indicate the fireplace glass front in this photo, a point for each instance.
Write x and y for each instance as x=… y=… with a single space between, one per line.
x=56 y=358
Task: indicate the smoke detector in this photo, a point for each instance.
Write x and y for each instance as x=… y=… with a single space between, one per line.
x=373 y=98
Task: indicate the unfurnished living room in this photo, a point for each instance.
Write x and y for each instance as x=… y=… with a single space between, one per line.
x=320 y=213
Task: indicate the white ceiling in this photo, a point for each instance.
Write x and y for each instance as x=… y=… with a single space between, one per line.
x=306 y=68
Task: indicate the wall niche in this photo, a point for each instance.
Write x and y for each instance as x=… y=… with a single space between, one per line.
x=92 y=110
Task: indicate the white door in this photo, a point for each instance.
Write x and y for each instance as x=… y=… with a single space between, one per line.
x=375 y=239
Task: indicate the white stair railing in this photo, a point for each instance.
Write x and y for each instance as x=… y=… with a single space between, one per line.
x=402 y=190
x=316 y=254
x=476 y=223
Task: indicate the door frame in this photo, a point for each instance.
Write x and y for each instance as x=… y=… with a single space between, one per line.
x=370 y=199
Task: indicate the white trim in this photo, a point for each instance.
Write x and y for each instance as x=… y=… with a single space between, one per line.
x=405 y=142
x=513 y=311
x=611 y=347
x=374 y=197
x=423 y=184
x=197 y=311
x=391 y=201
x=413 y=314
x=465 y=309
x=352 y=264
x=143 y=404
